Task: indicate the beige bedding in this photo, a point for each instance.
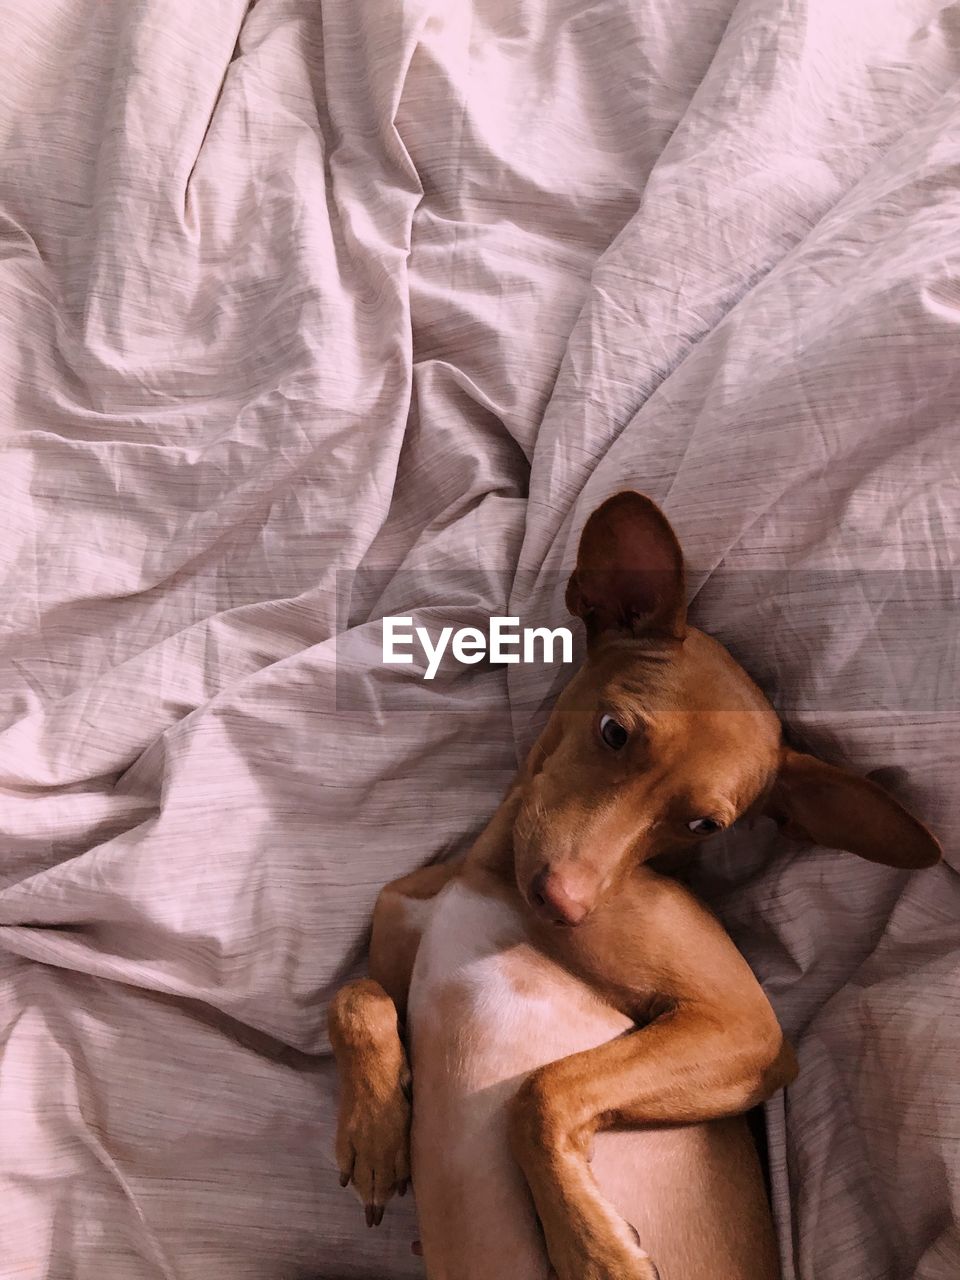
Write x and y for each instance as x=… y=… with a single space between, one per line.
x=298 y=289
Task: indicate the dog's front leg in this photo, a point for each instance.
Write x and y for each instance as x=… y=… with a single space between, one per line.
x=694 y=1063
x=373 y=1126
x=364 y=1021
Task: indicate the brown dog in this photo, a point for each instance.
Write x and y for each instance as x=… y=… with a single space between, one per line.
x=583 y=1034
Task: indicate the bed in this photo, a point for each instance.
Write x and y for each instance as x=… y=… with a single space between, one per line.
x=315 y=312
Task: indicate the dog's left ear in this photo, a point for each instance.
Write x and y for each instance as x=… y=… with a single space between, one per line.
x=840 y=810
x=629 y=574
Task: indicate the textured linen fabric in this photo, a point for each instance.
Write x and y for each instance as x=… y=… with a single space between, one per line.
x=314 y=311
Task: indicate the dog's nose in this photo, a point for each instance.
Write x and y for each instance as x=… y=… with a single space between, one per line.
x=551 y=899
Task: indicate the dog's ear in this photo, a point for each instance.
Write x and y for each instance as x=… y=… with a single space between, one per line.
x=840 y=810
x=629 y=574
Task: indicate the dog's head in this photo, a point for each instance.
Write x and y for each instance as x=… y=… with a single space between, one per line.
x=662 y=739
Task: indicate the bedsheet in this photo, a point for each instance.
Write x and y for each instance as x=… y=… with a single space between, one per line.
x=314 y=312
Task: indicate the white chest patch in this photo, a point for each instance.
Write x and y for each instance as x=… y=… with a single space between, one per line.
x=486 y=1006
x=463 y=943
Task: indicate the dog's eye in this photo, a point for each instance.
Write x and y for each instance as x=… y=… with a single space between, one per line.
x=704 y=826
x=613 y=733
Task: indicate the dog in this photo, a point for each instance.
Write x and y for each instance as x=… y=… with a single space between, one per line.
x=583 y=1036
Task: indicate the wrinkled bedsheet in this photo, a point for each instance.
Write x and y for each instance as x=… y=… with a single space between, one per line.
x=314 y=311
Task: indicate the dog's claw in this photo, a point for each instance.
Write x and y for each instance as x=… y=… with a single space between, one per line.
x=402 y=1186
x=344 y=1179
x=373 y=1214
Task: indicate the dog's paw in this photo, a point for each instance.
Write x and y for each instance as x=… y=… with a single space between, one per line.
x=611 y=1266
x=373 y=1146
x=593 y=1255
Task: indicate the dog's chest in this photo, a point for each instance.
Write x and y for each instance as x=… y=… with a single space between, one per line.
x=486 y=1006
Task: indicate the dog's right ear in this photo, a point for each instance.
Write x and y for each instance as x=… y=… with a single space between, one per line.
x=839 y=810
x=629 y=574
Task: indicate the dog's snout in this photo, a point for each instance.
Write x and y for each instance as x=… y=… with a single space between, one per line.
x=552 y=899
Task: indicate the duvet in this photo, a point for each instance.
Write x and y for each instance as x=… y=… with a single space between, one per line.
x=315 y=312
